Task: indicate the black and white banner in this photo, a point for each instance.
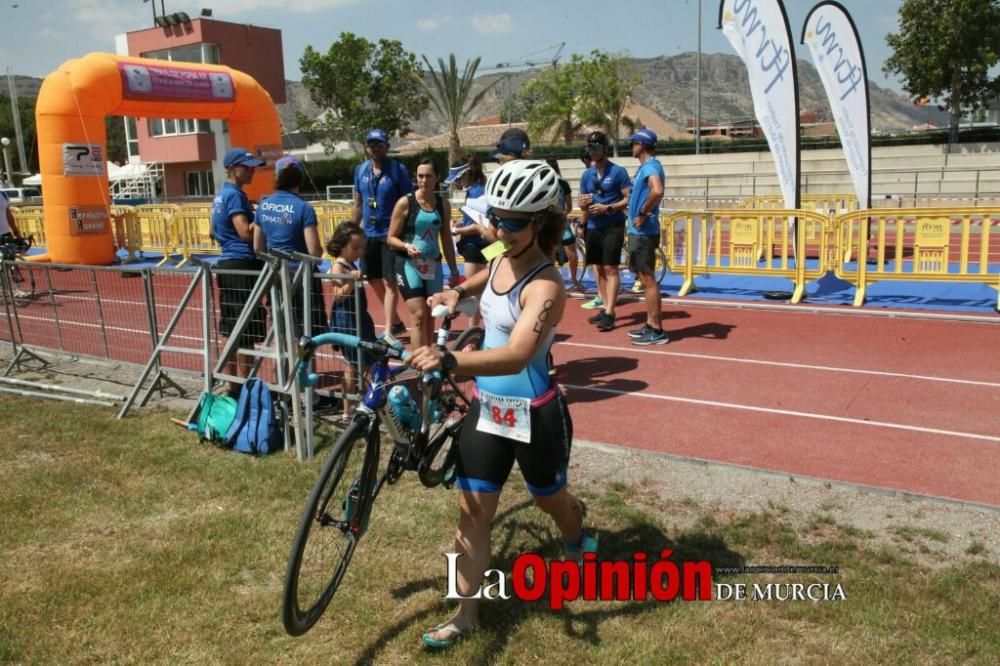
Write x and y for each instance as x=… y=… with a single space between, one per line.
x=759 y=32
x=832 y=39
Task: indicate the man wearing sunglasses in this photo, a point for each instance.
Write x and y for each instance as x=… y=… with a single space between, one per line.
x=232 y=227
x=604 y=193
x=379 y=183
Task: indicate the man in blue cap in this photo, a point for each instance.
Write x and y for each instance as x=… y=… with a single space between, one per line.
x=644 y=234
x=379 y=183
x=232 y=227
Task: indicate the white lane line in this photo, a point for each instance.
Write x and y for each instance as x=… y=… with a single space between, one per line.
x=782 y=364
x=787 y=412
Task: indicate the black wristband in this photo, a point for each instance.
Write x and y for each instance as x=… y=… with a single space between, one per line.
x=459 y=289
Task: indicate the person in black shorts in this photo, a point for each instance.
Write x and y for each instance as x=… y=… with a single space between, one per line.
x=379 y=182
x=518 y=413
x=232 y=227
x=604 y=192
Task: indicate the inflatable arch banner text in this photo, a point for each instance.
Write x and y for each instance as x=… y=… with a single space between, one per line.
x=69 y=116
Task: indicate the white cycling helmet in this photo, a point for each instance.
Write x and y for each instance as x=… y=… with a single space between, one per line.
x=523 y=186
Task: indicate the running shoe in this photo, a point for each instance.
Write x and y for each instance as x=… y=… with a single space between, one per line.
x=607 y=323
x=654 y=337
x=640 y=332
x=637 y=287
x=575 y=551
x=596 y=318
x=593 y=304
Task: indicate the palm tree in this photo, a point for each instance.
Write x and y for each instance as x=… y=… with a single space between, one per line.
x=450 y=94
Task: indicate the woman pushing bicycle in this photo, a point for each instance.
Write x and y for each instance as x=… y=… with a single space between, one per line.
x=518 y=413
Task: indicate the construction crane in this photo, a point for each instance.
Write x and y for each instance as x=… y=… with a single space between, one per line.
x=534 y=59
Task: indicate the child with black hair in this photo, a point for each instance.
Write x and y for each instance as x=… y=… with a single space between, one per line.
x=346 y=247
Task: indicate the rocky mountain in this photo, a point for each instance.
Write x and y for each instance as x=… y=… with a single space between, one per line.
x=669 y=88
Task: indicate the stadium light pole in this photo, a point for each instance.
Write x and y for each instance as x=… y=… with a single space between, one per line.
x=697 y=111
x=5 y=142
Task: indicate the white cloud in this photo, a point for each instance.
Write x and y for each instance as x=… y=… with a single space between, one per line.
x=492 y=23
x=432 y=23
x=226 y=8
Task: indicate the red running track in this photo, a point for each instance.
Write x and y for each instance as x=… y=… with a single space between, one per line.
x=898 y=403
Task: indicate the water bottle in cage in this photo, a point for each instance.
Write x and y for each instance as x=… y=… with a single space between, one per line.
x=403 y=407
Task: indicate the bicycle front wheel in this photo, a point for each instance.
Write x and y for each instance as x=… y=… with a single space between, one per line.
x=327 y=533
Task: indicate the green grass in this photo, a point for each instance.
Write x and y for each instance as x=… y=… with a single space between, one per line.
x=130 y=542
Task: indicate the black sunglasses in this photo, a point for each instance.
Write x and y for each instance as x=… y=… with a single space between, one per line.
x=510 y=224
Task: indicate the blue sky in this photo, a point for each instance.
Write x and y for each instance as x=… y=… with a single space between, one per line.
x=36 y=36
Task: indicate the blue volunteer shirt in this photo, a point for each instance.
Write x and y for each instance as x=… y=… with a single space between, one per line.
x=608 y=189
x=475 y=191
x=230 y=201
x=640 y=191
x=385 y=189
x=284 y=217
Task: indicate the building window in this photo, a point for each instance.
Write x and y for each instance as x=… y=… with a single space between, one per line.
x=131 y=138
x=203 y=53
x=199 y=184
x=176 y=126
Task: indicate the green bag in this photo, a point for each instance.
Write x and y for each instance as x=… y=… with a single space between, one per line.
x=215 y=415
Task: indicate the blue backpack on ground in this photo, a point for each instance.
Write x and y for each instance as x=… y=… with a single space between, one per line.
x=256 y=428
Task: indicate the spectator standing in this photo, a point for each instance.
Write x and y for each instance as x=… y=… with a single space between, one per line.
x=604 y=194
x=285 y=221
x=346 y=247
x=469 y=176
x=232 y=227
x=379 y=182
x=420 y=229
x=644 y=234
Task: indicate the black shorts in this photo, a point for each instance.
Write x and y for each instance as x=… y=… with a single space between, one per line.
x=233 y=293
x=376 y=260
x=642 y=253
x=485 y=459
x=604 y=246
x=472 y=254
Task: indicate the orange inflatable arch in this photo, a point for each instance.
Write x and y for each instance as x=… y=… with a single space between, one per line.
x=70 y=114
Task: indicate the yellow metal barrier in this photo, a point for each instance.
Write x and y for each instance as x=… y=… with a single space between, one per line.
x=919 y=245
x=756 y=242
x=126 y=232
x=192 y=229
x=155 y=230
x=30 y=222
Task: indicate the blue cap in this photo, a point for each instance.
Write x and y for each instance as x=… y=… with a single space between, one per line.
x=455 y=173
x=376 y=135
x=646 y=136
x=241 y=157
x=286 y=161
x=514 y=142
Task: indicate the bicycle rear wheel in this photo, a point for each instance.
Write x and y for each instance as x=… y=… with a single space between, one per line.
x=327 y=534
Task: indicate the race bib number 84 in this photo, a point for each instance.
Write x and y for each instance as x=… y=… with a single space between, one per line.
x=505 y=416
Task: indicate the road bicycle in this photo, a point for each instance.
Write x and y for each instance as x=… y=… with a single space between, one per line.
x=10 y=250
x=422 y=435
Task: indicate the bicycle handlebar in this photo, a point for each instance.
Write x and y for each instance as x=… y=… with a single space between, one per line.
x=308 y=346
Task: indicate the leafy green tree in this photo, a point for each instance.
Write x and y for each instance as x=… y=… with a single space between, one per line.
x=945 y=49
x=551 y=100
x=363 y=85
x=605 y=89
x=451 y=95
